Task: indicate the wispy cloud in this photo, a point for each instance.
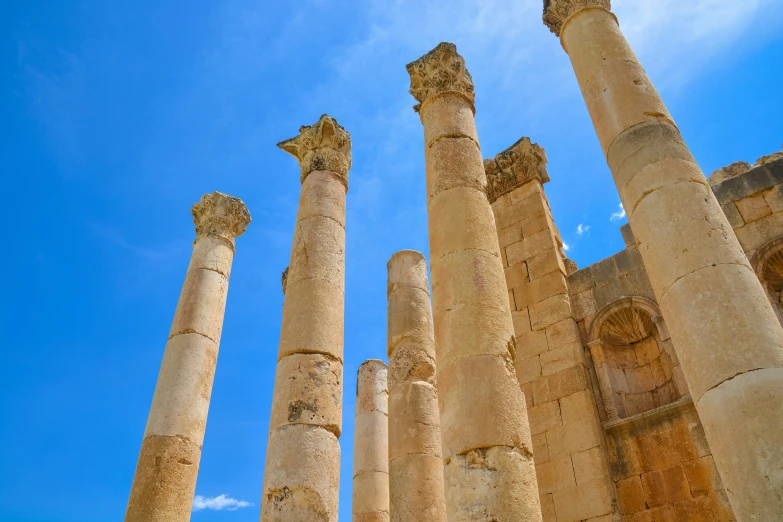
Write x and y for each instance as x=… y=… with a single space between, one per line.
x=219 y=503
x=620 y=214
x=150 y=254
x=581 y=229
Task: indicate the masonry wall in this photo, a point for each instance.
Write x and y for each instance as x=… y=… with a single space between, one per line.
x=568 y=443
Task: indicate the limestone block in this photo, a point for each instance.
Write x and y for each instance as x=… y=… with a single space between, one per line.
x=202 y=304
x=584 y=501
x=497 y=414
x=560 y=384
x=562 y=333
x=536 y=224
x=665 y=486
x=414 y=428
x=733 y=215
x=298 y=489
x=510 y=234
x=308 y=390
x=744 y=445
x=526 y=191
x=549 y=311
x=323 y=194
x=446 y=116
x=454 y=162
x=548 y=261
x=530 y=246
x=691 y=306
x=411 y=361
x=583 y=304
x=212 y=253
x=640 y=379
x=683 y=210
x=528 y=369
x=573 y=438
x=461 y=219
x=753 y=208
x=487 y=483
x=521 y=321
x=544 y=417
x=631 y=495
x=540 y=449
x=416 y=484
x=559 y=359
x=318 y=252
x=590 y=465
x=312 y=319
x=774 y=198
x=730 y=171
x=371 y=493
x=636 y=403
x=181 y=400
x=516 y=275
x=539 y=289
x=577 y=407
x=548 y=508
x=164 y=460
x=555 y=475
x=702 y=475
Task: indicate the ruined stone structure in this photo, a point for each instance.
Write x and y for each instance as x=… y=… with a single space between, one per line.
x=165 y=479
x=371 y=444
x=302 y=470
x=647 y=387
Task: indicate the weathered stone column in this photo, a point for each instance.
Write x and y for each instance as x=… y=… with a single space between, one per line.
x=488 y=463
x=415 y=457
x=371 y=444
x=165 y=479
x=728 y=339
x=302 y=472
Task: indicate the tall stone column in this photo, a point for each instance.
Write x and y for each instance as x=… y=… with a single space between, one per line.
x=488 y=463
x=728 y=339
x=415 y=457
x=371 y=444
x=165 y=479
x=302 y=472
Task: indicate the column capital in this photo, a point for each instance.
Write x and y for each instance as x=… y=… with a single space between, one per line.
x=515 y=166
x=220 y=215
x=438 y=72
x=325 y=145
x=557 y=12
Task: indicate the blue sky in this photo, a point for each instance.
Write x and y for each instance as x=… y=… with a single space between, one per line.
x=117 y=117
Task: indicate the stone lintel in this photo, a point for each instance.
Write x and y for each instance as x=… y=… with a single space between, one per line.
x=557 y=12
x=438 y=72
x=220 y=215
x=325 y=145
x=522 y=162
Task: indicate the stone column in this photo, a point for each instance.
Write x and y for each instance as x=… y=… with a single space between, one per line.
x=728 y=339
x=371 y=444
x=415 y=457
x=165 y=479
x=302 y=471
x=488 y=464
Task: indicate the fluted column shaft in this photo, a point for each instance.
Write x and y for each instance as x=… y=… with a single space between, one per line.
x=487 y=451
x=415 y=456
x=371 y=444
x=726 y=334
x=302 y=470
x=166 y=473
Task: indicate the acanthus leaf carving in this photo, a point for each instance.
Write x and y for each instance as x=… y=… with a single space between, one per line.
x=440 y=71
x=518 y=164
x=220 y=215
x=556 y=12
x=325 y=145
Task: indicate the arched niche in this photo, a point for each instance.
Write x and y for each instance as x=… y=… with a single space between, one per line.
x=768 y=264
x=634 y=360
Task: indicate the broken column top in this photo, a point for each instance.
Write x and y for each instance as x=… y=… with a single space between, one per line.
x=220 y=215
x=522 y=162
x=440 y=71
x=324 y=146
x=407 y=268
x=372 y=392
x=557 y=12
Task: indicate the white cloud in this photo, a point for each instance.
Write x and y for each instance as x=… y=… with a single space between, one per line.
x=566 y=246
x=581 y=229
x=620 y=214
x=219 y=503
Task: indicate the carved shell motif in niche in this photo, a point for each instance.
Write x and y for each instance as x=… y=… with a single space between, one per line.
x=627 y=326
x=556 y=12
x=440 y=70
x=773 y=271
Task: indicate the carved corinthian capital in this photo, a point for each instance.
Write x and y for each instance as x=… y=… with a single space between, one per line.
x=556 y=12
x=220 y=215
x=440 y=71
x=324 y=145
x=515 y=166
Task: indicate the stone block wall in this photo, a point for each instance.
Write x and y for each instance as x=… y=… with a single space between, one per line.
x=568 y=441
